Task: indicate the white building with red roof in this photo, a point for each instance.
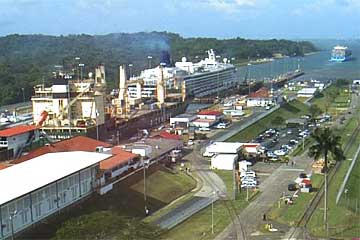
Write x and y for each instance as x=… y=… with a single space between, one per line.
x=260 y=98
x=207 y=118
x=14 y=140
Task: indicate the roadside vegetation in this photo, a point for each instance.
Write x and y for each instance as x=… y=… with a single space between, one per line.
x=119 y=213
x=293 y=109
x=199 y=225
x=344 y=217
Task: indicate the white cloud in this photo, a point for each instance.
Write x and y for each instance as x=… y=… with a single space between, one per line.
x=232 y=6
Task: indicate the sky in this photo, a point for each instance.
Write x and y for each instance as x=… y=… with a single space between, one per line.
x=260 y=19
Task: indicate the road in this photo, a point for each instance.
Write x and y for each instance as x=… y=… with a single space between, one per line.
x=211 y=182
x=212 y=189
x=271 y=190
x=242 y=124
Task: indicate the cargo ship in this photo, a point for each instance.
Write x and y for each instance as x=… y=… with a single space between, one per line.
x=340 y=54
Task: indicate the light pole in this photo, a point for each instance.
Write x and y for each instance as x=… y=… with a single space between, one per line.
x=212 y=212
x=97 y=125
x=145 y=200
x=303 y=137
x=149 y=59
x=12 y=215
x=249 y=65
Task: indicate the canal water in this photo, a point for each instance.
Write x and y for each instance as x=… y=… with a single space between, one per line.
x=316 y=66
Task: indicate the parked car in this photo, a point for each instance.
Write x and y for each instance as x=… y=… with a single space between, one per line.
x=190 y=143
x=292 y=187
x=204 y=129
x=222 y=125
x=293 y=142
x=280 y=152
x=303 y=175
x=248 y=185
x=207 y=154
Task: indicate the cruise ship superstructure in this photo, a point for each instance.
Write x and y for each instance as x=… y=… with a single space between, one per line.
x=199 y=79
x=340 y=54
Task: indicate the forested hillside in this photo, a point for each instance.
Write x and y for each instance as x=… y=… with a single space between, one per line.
x=26 y=60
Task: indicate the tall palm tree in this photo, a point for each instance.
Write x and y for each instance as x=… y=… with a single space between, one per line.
x=326 y=145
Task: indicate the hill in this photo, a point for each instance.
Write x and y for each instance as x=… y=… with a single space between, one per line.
x=26 y=60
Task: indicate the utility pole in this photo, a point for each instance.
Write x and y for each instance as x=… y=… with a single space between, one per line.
x=212 y=212
x=97 y=125
x=145 y=199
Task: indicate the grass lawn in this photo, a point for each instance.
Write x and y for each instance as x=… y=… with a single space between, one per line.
x=344 y=218
x=347 y=221
x=339 y=104
x=351 y=199
x=199 y=225
x=293 y=109
x=125 y=202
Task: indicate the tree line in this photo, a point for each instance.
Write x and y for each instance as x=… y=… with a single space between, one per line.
x=27 y=60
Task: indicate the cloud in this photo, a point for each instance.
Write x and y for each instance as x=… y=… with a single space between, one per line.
x=231 y=6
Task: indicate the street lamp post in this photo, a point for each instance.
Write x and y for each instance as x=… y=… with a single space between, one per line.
x=97 y=125
x=212 y=212
x=249 y=65
x=145 y=165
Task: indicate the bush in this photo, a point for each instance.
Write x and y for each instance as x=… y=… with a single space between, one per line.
x=106 y=225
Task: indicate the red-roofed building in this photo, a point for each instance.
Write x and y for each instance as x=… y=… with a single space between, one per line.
x=3 y=166
x=77 y=143
x=166 y=135
x=121 y=162
x=260 y=98
x=14 y=140
x=207 y=118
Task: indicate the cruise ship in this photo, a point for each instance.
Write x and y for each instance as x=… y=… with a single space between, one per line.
x=204 y=78
x=340 y=54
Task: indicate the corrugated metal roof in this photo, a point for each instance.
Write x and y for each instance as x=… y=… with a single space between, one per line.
x=209 y=112
x=78 y=143
x=28 y=176
x=17 y=130
x=120 y=156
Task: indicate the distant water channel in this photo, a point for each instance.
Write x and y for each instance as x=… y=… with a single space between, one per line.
x=316 y=66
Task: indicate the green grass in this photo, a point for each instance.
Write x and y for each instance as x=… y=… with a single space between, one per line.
x=340 y=102
x=199 y=225
x=350 y=200
x=344 y=214
x=125 y=202
x=343 y=219
x=227 y=177
x=158 y=188
x=291 y=214
x=294 y=109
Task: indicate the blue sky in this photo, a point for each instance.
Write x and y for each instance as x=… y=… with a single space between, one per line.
x=207 y=18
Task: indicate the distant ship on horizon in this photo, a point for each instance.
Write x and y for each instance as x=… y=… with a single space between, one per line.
x=340 y=54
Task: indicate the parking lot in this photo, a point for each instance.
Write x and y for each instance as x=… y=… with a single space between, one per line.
x=277 y=142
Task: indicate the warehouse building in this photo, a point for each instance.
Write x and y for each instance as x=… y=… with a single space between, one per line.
x=37 y=188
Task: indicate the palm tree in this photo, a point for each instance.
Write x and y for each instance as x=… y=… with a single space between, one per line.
x=326 y=145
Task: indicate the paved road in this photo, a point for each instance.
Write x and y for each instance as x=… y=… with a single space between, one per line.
x=212 y=189
x=271 y=190
x=242 y=124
